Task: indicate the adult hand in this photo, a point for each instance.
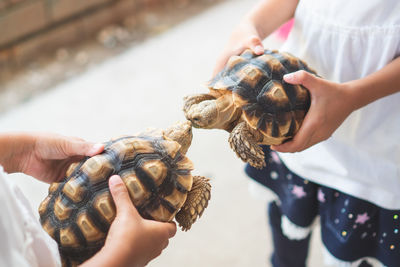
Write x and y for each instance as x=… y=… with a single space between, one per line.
x=331 y=104
x=49 y=155
x=131 y=240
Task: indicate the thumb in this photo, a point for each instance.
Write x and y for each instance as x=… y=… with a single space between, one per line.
x=256 y=45
x=81 y=148
x=302 y=77
x=120 y=195
x=169 y=228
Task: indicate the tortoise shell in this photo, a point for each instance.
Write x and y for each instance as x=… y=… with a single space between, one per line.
x=78 y=211
x=268 y=103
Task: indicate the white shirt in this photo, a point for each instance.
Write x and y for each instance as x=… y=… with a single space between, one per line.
x=23 y=242
x=346 y=40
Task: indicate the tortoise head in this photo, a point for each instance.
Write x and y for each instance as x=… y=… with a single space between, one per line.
x=180 y=132
x=208 y=112
x=203 y=114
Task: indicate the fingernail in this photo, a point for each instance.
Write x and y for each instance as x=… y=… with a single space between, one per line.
x=288 y=77
x=259 y=49
x=114 y=180
x=96 y=148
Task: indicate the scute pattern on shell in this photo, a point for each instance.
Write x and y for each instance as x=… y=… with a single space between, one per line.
x=78 y=211
x=269 y=104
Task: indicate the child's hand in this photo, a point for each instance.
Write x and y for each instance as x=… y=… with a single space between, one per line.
x=244 y=37
x=132 y=240
x=47 y=156
x=331 y=104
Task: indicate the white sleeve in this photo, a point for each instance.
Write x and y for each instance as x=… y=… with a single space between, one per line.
x=23 y=242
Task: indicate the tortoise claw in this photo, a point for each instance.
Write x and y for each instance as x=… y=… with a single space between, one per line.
x=196 y=201
x=242 y=140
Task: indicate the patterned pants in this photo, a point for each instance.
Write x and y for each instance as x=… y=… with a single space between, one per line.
x=355 y=232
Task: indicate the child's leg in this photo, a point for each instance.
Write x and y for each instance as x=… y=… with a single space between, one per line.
x=297 y=210
x=287 y=252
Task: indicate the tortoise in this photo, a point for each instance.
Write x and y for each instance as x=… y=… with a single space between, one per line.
x=250 y=100
x=78 y=211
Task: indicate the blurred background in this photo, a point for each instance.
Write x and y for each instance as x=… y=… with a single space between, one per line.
x=103 y=68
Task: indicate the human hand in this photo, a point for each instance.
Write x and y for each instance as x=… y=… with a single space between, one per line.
x=257 y=24
x=245 y=36
x=131 y=240
x=48 y=156
x=331 y=104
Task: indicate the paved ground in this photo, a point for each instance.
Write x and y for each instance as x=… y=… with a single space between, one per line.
x=141 y=88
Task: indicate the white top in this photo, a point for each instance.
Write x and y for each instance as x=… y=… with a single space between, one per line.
x=23 y=241
x=346 y=40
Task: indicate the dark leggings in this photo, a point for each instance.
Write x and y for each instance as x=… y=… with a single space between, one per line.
x=287 y=253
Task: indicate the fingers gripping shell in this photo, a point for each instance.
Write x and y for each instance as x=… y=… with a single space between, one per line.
x=78 y=211
x=269 y=104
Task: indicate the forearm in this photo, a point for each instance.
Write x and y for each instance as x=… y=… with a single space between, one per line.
x=13 y=146
x=268 y=15
x=101 y=259
x=376 y=85
x=113 y=256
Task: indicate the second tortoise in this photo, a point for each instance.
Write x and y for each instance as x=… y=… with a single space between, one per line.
x=250 y=99
x=79 y=210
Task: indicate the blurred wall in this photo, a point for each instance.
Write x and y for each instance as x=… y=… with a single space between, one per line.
x=31 y=27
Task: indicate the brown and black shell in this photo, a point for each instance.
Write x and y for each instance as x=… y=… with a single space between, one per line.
x=78 y=211
x=269 y=104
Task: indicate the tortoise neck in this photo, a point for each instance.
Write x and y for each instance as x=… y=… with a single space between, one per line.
x=228 y=114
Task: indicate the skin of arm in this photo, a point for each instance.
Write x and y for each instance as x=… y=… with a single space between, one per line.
x=131 y=241
x=42 y=155
x=332 y=103
x=260 y=22
x=13 y=147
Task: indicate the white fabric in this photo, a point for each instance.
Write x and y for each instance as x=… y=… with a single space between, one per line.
x=330 y=260
x=23 y=241
x=347 y=40
x=293 y=231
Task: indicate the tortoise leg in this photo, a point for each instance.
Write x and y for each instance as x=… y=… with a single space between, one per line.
x=191 y=100
x=196 y=201
x=244 y=141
